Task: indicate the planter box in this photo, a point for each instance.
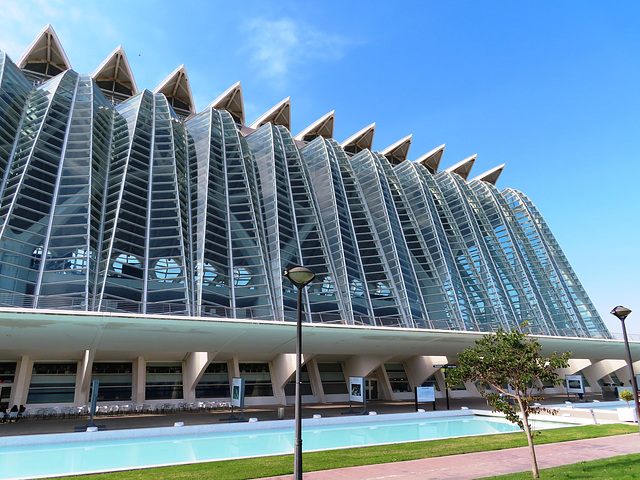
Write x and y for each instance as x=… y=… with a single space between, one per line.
x=626 y=414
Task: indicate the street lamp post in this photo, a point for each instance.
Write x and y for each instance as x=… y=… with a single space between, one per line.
x=622 y=313
x=300 y=277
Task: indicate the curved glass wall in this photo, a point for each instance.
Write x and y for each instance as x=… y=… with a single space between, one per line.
x=129 y=208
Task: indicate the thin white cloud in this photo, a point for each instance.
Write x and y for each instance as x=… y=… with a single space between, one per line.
x=277 y=46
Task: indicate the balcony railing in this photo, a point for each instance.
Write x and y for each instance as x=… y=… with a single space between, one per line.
x=247 y=313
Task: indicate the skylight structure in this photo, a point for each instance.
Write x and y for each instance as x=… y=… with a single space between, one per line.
x=431 y=159
x=45 y=57
x=323 y=127
x=232 y=102
x=279 y=114
x=177 y=90
x=362 y=140
x=399 y=151
x=114 y=77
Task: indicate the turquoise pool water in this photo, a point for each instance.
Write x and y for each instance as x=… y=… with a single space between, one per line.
x=40 y=460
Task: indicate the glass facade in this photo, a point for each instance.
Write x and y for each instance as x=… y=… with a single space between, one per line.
x=52 y=383
x=164 y=381
x=130 y=207
x=115 y=381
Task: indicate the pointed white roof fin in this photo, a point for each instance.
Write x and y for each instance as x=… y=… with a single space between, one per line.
x=323 y=127
x=397 y=153
x=431 y=159
x=463 y=168
x=490 y=176
x=362 y=140
x=45 y=56
x=114 y=74
x=232 y=102
x=177 y=89
x=280 y=114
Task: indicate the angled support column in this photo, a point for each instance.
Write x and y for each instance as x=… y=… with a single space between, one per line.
x=623 y=373
x=384 y=385
x=138 y=379
x=21 y=381
x=195 y=364
x=316 y=381
x=363 y=365
x=83 y=378
x=283 y=367
x=233 y=366
x=421 y=367
x=575 y=365
x=600 y=369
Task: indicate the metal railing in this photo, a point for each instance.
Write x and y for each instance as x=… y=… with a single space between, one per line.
x=246 y=313
x=633 y=337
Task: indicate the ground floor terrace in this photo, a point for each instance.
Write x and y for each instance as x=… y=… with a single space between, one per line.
x=48 y=360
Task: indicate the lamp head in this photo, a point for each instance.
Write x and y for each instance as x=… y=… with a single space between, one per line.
x=299 y=276
x=621 y=312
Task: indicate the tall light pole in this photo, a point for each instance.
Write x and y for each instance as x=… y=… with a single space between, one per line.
x=300 y=277
x=622 y=313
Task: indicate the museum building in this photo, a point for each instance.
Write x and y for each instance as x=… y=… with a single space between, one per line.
x=143 y=244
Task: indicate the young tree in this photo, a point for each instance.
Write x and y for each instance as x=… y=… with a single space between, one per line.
x=626 y=395
x=511 y=363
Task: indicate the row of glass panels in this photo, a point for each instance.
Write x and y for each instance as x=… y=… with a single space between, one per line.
x=130 y=209
x=55 y=382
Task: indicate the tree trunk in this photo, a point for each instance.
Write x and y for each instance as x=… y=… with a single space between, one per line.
x=527 y=430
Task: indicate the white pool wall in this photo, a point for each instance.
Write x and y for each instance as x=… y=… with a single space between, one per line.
x=19 y=440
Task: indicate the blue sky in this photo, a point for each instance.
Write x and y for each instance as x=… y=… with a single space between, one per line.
x=549 y=88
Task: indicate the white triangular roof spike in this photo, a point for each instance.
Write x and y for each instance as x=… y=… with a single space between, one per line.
x=46 y=48
x=399 y=150
x=431 y=159
x=231 y=101
x=490 y=176
x=176 y=86
x=280 y=114
x=323 y=127
x=463 y=167
x=116 y=68
x=362 y=139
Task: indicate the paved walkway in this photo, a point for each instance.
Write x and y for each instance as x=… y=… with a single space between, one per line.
x=484 y=464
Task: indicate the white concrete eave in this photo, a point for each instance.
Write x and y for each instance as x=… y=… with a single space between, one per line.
x=116 y=68
x=490 y=176
x=177 y=86
x=42 y=333
x=46 y=48
x=431 y=159
x=279 y=114
x=399 y=151
x=323 y=127
x=231 y=101
x=362 y=140
x=463 y=168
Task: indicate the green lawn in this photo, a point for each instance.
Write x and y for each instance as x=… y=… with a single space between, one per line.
x=283 y=464
x=613 y=468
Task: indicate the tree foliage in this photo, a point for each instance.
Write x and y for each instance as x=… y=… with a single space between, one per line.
x=625 y=395
x=511 y=364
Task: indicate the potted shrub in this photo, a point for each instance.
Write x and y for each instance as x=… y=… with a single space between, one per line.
x=626 y=395
x=626 y=414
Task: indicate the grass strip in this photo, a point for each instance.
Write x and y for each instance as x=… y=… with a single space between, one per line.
x=283 y=464
x=612 y=468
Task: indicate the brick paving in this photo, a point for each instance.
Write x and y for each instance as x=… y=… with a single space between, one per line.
x=484 y=464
